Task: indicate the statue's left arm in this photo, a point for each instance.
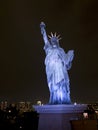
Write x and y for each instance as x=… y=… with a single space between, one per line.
x=69 y=58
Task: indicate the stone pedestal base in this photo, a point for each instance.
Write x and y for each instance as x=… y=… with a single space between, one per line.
x=58 y=117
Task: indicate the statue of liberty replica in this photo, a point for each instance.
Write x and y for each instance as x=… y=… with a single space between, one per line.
x=57 y=64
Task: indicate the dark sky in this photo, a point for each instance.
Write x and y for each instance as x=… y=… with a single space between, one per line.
x=22 y=69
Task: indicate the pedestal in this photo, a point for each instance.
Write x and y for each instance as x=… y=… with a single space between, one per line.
x=58 y=117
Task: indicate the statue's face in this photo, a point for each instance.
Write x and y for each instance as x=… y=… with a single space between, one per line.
x=54 y=41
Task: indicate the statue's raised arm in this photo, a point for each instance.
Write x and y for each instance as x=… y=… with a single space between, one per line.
x=43 y=32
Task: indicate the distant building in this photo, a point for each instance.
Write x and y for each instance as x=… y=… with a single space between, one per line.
x=24 y=106
x=3 y=105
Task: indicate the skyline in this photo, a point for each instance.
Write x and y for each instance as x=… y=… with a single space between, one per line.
x=22 y=74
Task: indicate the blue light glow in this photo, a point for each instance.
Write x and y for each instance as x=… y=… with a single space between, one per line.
x=57 y=64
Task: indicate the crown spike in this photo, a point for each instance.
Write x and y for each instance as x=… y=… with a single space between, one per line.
x=55 y=34
x=58 y=36
x=51 y=34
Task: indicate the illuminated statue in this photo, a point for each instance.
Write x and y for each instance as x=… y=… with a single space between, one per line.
x=57 y=63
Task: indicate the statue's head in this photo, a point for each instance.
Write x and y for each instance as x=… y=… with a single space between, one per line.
x=54 y=40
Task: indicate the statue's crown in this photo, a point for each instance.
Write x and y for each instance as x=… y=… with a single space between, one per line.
x=54 y=36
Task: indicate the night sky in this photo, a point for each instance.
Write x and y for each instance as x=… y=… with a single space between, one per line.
x=22 y=69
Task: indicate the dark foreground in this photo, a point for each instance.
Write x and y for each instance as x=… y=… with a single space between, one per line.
x=22 y=121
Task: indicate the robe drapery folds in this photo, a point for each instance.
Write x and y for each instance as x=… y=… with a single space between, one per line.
x=57 y=63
